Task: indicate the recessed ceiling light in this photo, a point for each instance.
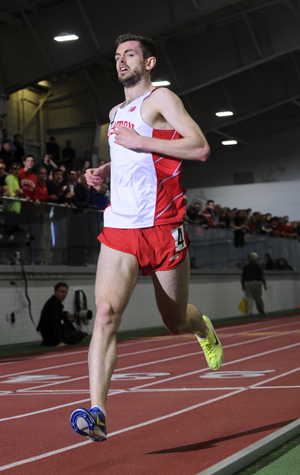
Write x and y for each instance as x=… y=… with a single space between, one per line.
x=229 y=142
x=160 y=83
x=66 y=37
x=224 y=114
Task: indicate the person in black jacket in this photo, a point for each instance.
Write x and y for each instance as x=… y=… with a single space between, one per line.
x=55 y=325
x=252 y=280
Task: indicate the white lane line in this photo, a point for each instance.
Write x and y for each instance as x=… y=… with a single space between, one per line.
x=137 y=426
x=154 y=349
x=143 y=364
x=154 y=339
x=126 y=429
x=166 y=380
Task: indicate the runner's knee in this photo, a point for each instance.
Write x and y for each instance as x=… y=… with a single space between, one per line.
x=106 y=316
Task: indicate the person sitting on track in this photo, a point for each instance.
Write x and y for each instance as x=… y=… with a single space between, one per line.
x=143 y=227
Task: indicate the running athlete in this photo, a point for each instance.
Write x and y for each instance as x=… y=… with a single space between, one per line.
x=150 y=134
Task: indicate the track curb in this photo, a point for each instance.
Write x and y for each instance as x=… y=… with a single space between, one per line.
x=245 y=457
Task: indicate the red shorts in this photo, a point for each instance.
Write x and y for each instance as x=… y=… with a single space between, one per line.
x=157 y=249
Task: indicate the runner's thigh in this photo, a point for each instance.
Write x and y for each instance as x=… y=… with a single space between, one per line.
x=171 y=291
x=117 y=275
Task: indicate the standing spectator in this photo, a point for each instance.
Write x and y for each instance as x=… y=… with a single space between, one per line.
x=86 y=161
x=69 y=188
x=208 y=214
x=48 y=163
x=2 y=173
x=4 y=191
x=18 y=149
x=6 y=155
x=28 y=179
x=252 y=278
x=12 y=208
x=53 y=149
x=41 y=224
x=68 y=155
x=98 y=199
x=80 y=198
x=60 y=218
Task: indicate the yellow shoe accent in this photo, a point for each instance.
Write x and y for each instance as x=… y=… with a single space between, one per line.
x=211 y=347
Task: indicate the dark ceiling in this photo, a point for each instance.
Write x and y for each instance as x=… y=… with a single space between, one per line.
x=217 y=54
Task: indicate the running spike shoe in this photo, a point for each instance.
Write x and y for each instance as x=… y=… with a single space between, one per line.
x=211 y=347
x=89 y=423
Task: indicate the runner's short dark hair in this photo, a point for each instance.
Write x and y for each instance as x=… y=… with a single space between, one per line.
x=147 y=45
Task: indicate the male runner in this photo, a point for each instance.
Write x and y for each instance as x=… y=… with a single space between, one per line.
x=143 y=226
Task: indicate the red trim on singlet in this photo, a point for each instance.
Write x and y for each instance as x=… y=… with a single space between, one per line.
x=169 y=202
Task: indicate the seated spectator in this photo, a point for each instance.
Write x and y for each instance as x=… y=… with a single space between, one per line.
x=98 y=199
x=53 y=149
x=55 y=325
x=68 y=155
x=283 y=264
x=208 y=215
x=28 y=179
x=18 y=149
x=268 y=264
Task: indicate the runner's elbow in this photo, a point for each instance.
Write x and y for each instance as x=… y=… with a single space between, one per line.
x=203 y=153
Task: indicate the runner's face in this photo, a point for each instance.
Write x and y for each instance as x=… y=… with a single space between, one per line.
x=130 y=63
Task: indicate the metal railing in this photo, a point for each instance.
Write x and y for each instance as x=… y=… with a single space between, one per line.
x=51 y=234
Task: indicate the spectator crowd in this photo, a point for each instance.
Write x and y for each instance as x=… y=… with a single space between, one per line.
x=55 y=180
x=241 y=221
x=59 y=178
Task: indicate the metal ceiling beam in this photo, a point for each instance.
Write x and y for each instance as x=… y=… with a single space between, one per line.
x=253 y=114
x=41 y=103
x=10 y=20
x=229 y=74
x=37 y=40
x=253 y=37
x=227 y=136
x=88 y=24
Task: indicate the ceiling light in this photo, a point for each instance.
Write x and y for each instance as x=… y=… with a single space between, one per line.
x=161 y=83
x=224 y=114
x=66 y=37
x=229 y=142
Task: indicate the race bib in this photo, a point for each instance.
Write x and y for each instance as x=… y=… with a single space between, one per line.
x=178 y=236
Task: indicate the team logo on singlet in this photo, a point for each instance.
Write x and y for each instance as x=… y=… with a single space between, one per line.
x=125 y=123
x=132 y=109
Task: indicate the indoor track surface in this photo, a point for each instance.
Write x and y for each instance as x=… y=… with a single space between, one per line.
x=167 y=412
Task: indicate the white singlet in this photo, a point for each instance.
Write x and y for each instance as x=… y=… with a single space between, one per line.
x=145 y=188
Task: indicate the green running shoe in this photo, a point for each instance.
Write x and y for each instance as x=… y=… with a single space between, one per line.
x=211 y=347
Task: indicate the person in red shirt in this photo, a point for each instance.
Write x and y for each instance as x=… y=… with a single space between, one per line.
x=28 y=180
x=41 y=224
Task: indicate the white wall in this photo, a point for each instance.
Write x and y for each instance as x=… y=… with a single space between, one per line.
x=216 y=293
x=278 y=198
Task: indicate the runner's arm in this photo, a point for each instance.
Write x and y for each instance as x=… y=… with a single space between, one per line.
x=192 y=145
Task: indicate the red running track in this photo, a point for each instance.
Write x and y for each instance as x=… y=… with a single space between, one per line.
x=167 y=412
